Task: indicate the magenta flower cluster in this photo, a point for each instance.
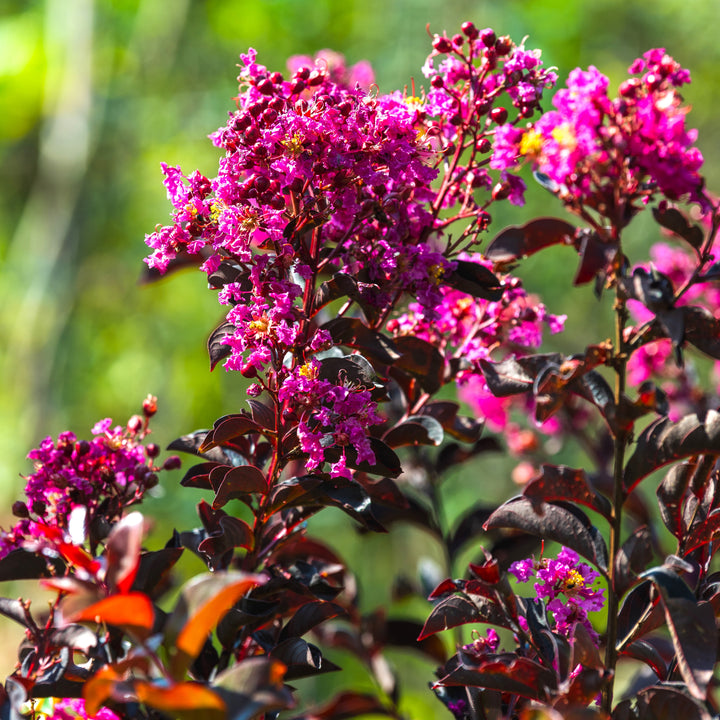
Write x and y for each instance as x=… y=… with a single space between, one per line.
x=591 y=143
x=565 y=585
x=99 y=478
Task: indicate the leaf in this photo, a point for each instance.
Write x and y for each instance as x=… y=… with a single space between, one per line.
x=702 y=533
x=355 y=334
x=665 y=441
x=198 y=476
x=352 y=368
x=154 y=567
x=346 y=705
x=516 y=242
x=217 y=348
x=386 y=460
x=240 y=481
x=558 y=482
x=404 y=634
x=595 y=255
x=192 y=442
x=671 y=494
x=504 y=673
x=634 y=555
x=123 y=552
x=15 y=610
x=672 y=219
x=691 y=624
x=459 y=610
x=301 y=658
x=202 y=603
x=645 y=652
x=566 y=525
x=516 y=375
x=181 y=699
x=230 y=532
x=422 y=360
x=308 y=616
x=474 y=279
x=669 y=703
x=415 y=430
x=228 y=428
x=132 y=612
x=702 y=330
x=25 y=565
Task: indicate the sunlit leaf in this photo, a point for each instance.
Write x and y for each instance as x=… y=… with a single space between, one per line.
x=132 y=612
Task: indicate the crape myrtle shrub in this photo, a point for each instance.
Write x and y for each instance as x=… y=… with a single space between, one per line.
x=348 y=237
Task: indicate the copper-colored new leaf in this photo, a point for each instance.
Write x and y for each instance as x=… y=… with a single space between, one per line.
x=132 y=612
x=181 y=698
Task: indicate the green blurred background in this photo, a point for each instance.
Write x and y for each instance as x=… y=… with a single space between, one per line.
x=96 y=93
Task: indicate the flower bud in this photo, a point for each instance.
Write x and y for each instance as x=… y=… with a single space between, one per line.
x=503 y=45
x=499 y=115
x=441 y=44
x=437 y=82
x=152 y=450
x=488 y=37
x=135 y=424
x=501 y=191
x=82 y=447
x=469 y=29
x=172 y=463
x=149 y=406
x=20 y=509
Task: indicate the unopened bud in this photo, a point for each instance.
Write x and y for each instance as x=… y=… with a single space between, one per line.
x=149 y=406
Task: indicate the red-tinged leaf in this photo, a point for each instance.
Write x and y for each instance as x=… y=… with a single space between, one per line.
x=198 y=476
x=665 y=441
x=355 y=334
x=506 y=674
x=228 y=428
x=460 y=610
x=339 y=285
x=263 y=415
x=348 y=705
x=123 y=552
x=181 y=699
x=474 y=279
x=15 y=610
x=632 y=559
x=690 y=623
x=132 y=612
x=516 y=241
x=702 y=533
x=558 y=482
x=444 y=588
x=647 y=653
x=308 y=616
x=416 y=430
x=291 y=492
x=422 y=360
x=202 y=603
x=240 y=481
x=671 y=495
x=217 y=348
x=386 y=460
x=564 y=524
x=301 y=658
x=349 y=368
x=595 y=256
x=191 y=443
x=672 y=219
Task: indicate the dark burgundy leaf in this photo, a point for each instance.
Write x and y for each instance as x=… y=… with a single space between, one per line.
x=703 y=532
x=198 y=476
x=231 y=532
x=558 y=482
x=226 y=273
x=462 y=609
x=516 y=242
x=671 y=494
x=672 y=219
x=228 y=428
x=516 y=375
x=154 y=568
x=404 y=633
x=470 y=527
x=301 y=658
x=669 y=703
x=665 y=441
x=415 y=430
x=564 y=524
x=238 y=482
x=635 y=553
x=14 y=610
x=291 y=492
x=353 y=368
x=191 y=444
x=340 y=285
x=505 y=673
x=217 y=349
x=702 y=330
x=24 y=565
x=645 y=652
x=474 y=279
x=690 y=623
x=595 y=256
x=263 y=415
x=355 y=334
x=308 y=616
x=652 y=288
x=422 y=360
x=386 y=460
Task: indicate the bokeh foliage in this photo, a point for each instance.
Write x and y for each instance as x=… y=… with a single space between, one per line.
x=96 y=93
